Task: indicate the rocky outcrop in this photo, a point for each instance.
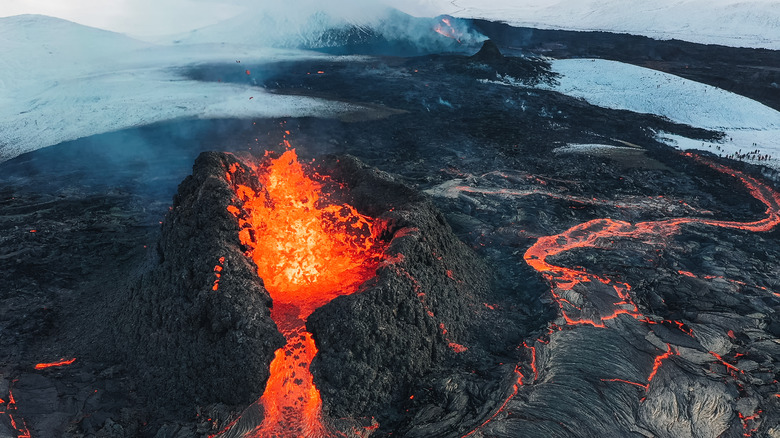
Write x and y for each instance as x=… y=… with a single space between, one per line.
x=379 y=344
x=197 y=326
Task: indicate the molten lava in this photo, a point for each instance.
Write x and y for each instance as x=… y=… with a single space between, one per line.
x=59 y=363
x=601 y=233
x=307 y=251
x=19 y=425
x=446 y=29
x=584 y=298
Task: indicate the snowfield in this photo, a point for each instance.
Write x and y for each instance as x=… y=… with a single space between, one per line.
x=61 y=81
x=748 y=125
x=749 y=23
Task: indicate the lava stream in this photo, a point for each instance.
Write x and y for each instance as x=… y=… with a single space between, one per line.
x=19 y=425
x=588 y=299
x=601 y=233
x=446 y=29
x=307 y=251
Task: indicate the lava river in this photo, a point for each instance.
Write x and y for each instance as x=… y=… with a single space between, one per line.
x=586 y=299
x=600 y=233
x=307 y=251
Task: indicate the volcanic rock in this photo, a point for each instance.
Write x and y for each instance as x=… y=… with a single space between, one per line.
x=490 y=64
x=488 y=53
x=197 y=323
x=379 y=344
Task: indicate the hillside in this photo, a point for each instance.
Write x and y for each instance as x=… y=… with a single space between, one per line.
x=61 y=81
x=753 y=23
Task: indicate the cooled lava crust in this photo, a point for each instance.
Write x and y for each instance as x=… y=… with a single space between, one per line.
x=190 y=345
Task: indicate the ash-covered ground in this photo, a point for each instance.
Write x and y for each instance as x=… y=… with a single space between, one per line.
x=635 y=330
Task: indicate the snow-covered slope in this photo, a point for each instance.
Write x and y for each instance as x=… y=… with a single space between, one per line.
x=61 y=81
x=318 y=29
x=277 y=26
x=748 y=125
x=748 y=23
x=615 y=84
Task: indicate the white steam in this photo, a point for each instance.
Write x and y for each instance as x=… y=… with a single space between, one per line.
x=155 y=18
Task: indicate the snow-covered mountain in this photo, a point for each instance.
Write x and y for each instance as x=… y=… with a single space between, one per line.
x=320 y=29
x=61 y=81
x=748 y=23
x=738 y=23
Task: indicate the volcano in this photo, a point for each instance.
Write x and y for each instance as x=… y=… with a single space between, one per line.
x=298 y=263
x=478 y=243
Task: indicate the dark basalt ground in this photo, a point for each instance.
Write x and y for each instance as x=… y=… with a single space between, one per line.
x=468 y=145
x=186 y=341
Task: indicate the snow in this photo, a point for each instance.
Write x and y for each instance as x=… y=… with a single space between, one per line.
x=615 y=84
x=278 y=25
x=61 y=81
x=748 y=125
x=740 y=23
x=749 y=23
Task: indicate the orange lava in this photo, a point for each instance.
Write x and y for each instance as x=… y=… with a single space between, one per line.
x=641 y=385
x=218 y=273
x=59 y=363
x=19 y=425
x=502 y=408
x=747 y=430
x=601 y=233
x=533 y=360
x=566 y=284
x=658 y=361
x=307 y=251
x=446 y=29
x=292 y=404
x=720 y=359
x=581 y=295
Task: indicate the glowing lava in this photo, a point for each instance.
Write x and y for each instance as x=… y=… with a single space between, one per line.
x=601 y=233
x=59 y=363
x=587 y=299
x=446 y=29
x=8 y=408
x=307 y=251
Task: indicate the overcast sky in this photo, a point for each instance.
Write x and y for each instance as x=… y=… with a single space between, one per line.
x=162 y=17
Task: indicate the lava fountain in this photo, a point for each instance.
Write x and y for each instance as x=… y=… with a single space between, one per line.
x=308 y=251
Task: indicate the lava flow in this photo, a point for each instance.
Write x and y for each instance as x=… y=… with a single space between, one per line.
x=59 y=363
x=19 y=425
x=588 y=299
x=307 y=251
x=446 y=29
x=576 y=307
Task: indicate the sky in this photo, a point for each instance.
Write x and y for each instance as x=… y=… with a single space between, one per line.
x=166 y=17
